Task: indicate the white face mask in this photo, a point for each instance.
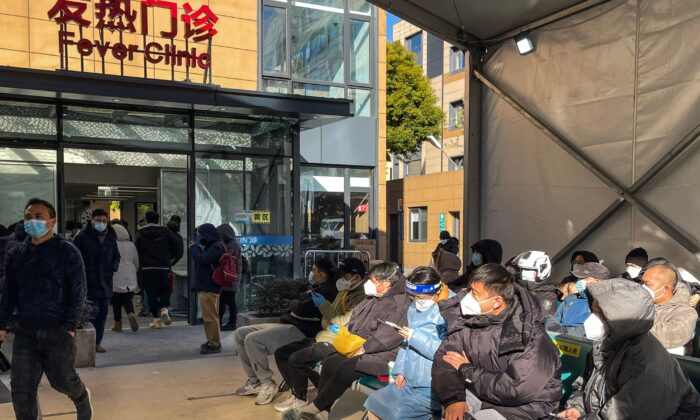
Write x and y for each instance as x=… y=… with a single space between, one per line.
x=471 y=306
x=342 y=284
x=443 y=241
x=595 y=328
x=634 y=271
x=423 y=305
x=528 y=275
x=370 y=288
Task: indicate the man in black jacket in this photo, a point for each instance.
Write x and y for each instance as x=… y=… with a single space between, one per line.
x=256 y=342
x=45 y=285
x=497 y=361
x=157 y=247
x=97 y=243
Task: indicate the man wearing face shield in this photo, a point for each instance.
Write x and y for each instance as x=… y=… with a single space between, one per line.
x=629 y=374
x=410 y=396
x=97 y=243
x=497 y=361
x=296 y=361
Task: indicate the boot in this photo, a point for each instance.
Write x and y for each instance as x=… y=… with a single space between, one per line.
x=117 y=326
x=133 y=322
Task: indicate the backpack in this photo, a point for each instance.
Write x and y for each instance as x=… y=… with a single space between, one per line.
x=226 y=274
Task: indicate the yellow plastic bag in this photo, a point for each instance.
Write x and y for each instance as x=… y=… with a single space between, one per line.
x=347 y=343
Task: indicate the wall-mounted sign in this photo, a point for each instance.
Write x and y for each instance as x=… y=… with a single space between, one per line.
x=362 y=208
x=120 y=16
x=442 y=222
x=261 y=217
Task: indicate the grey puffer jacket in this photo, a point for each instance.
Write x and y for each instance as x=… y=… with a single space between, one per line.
x=674 y=321
x=629 y=374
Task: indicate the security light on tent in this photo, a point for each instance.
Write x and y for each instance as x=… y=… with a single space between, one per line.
x=524 y=43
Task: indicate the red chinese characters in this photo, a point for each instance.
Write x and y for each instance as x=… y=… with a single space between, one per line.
x=65 y=11
x=115 y=15
x=200 y=23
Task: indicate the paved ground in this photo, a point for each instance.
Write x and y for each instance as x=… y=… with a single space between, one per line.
x=153 y=375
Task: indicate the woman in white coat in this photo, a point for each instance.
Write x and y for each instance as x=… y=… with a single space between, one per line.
x=125 y=280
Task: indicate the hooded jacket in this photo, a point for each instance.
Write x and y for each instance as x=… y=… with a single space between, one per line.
x=304 y=314
x=490 y=250
x=383 y=341
x=448 y=265
x=629 y=374
x=125 y=279
x=415 y=359
x=101 y=259
x=546 y=295
x=451 y=246
x=570 y=316
x=206 y=258
x=157 y=247
x=674 y=321
x=338 y=312
x=514 y=366
x=228 y=236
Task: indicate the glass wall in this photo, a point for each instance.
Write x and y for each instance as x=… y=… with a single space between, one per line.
x=25 y=174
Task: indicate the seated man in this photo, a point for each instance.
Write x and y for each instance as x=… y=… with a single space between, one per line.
x=255 y=342
x=674 y=318
x=296 y=361
x=534 y=268
x=371 y=321
x=629 y=375
x=497 y=361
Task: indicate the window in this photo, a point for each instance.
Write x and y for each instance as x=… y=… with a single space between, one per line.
x=456 y=115
x=415 y=45
x=317 y=41
x=321 y=91
x=359 y=51
x=362 y=101
x=360 y=7
x=275 y=86
x=456 y=227
x=456 y=60
x=456 y=163
x=418 y=220
x=274 y=28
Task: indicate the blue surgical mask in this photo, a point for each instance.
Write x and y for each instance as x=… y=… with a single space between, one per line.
x=581 y=285
x=35 y=228
x=197 y=240
x=100 y=227
x=310 y=277
x=476 y=258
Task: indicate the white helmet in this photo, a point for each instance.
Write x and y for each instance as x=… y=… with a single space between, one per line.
x=534 y=265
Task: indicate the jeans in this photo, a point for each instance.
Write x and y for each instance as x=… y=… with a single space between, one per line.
x=100 y=310
x=296 y=362
x=156 y=285
x=256 y=342
x=209 y=302
x=37 y=351
x=122 y=300
x=228 y=299
x=337 y=375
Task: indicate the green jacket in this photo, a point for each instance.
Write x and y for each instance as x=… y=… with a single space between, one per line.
x=339 y=311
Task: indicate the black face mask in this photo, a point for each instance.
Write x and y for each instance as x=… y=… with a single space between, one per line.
x=203 y=242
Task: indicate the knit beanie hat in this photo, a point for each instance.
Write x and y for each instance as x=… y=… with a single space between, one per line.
x=637 y=256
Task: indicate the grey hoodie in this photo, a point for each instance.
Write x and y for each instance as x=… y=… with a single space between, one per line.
x=629 y=374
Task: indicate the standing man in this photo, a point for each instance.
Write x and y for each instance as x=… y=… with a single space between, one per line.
x=97 y=243
x=45 y=285
x=157 y=247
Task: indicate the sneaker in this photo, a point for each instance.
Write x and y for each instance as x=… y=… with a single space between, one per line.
x=310 y=412
x=83 y=406
x=209 y=349
x=165 y=316
x=155 y=325
x=133 y=323
x=267 y=393
x=250 y=388
x=290 y=403
x=100 y=349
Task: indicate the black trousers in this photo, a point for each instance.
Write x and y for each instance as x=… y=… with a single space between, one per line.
x=228 y=300
x=38 y=351
x=337 y=375
x=296 y=361
x=156 y=284
x=122 y=300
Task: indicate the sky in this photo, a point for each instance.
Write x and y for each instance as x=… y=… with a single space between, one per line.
x=390 y=21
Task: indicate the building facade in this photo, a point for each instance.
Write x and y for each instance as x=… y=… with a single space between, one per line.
x=238 y=112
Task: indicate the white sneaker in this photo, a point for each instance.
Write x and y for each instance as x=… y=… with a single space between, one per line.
x=267 y=393
x=165 y=316
x=290 y=403
x=250 y=388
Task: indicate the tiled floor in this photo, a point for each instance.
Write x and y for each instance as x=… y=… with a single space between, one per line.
x=161 y=391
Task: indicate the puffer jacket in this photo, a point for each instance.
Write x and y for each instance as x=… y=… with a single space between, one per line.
x=338 y=312
x=491 y=252
x=415 y=359
x=383 y=341
x=514 y=366
x=125 y=277
x=448 y=266
x=629 y=374
x=157 y=246
x=545 y=293
x=207 y=258
x=101 y=258
x=570 y=316
x=304 y=314
x=674 y=321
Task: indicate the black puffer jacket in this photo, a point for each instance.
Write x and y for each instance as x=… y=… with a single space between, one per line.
x=382 y=345
x=491 y=252
x=101 y=258
x=547 y=295
x=304 y=314
x=514 y=367
x=206 y=258
x=629 y=374
x=157 y=247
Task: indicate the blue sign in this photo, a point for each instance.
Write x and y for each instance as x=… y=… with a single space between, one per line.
x=442 y=222
x=249 y=240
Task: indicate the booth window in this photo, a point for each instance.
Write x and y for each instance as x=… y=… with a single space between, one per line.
x=418 y=221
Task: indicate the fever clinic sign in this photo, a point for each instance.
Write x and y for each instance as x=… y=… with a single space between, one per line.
x=191 y=23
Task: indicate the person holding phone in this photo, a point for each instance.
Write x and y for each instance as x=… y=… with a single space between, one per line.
x=410 y=396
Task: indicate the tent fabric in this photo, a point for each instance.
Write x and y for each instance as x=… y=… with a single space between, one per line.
x=621 y=81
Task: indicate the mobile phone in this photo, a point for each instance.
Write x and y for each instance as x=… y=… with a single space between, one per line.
x=389 y=323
